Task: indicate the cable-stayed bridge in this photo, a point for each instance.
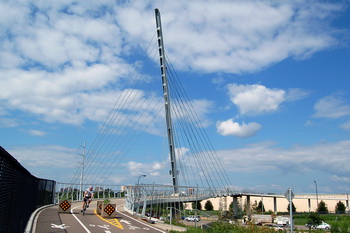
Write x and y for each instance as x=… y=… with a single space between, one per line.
x=188 y=169
x=146 y=123
x=188 y=161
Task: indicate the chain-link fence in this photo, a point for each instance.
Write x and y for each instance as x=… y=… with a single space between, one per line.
x=21 y=193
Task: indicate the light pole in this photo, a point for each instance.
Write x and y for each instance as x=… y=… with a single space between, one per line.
x=138 y=192
x=316 y=195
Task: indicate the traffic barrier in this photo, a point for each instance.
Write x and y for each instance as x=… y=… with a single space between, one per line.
x=108 y=210
x=64 y=206
x=99 y=207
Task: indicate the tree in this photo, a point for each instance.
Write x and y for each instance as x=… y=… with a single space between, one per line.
x=239 y=209
x=314 y=219
x=198 y=207
x=294 y=209
x=340 y=208
x=260 y=208
x=208 y=206
x=322 y=208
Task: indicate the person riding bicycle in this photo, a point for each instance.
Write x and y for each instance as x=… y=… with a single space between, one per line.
x=88 y=195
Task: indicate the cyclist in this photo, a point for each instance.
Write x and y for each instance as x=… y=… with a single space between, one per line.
x=88 y=195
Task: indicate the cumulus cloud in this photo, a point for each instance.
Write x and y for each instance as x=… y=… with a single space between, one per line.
x=52 y=54
x=137 y=169
x=255 y=99
x=213 y=37
x=331 y=107
x=230 y=127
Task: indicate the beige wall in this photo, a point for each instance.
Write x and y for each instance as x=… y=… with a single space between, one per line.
x=301 y=202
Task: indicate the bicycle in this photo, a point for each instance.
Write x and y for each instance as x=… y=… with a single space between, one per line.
x=86 y=204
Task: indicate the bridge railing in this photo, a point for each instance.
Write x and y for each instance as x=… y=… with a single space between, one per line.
x=21 y=193
x=137 y=195
x=75 y=192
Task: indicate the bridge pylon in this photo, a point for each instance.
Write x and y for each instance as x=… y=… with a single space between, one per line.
x=173 y=172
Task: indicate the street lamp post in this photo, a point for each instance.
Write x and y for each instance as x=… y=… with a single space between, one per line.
x=316 y=195
x=138 y=192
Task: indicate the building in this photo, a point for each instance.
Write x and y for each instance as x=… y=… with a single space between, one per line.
x=278 y=203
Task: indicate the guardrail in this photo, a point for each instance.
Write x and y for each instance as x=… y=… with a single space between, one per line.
x=21 y=193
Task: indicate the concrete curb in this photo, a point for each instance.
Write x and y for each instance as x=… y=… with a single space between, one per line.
x=33 y=218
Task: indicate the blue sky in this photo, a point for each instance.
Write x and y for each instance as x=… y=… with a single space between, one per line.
x=269 y=79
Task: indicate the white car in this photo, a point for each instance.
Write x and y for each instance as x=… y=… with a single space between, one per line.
x=193 y=218
x=324 y=226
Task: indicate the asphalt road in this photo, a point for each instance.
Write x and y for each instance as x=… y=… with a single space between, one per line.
x=49 y=220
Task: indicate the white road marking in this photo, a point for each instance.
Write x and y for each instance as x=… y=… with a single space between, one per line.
x=136 y=220
x=85 y=228
x=127 y=222
x=104 y=226
x=62 y=226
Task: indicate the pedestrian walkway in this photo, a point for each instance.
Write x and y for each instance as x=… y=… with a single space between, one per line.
x=48 y=219
x=48 y=222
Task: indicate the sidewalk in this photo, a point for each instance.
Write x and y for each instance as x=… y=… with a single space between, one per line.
x=167 y=227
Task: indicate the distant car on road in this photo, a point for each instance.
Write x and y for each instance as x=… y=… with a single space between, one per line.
x=193 y=218
x=324 y=226
x=275 y=227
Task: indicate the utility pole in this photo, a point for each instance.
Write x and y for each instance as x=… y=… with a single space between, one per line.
x=173 y=171
x=82 y=171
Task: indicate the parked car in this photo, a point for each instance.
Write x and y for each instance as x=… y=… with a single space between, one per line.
x=193 y=218
x=324 y=226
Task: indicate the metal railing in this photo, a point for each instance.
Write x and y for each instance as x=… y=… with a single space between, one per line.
x=21 y=193
x=75 y=192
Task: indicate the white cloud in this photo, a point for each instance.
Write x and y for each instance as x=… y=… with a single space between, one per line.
x=37 y=132
x=8 y=122
x=331 y=107
x=41 y=161
x=152 y=169
x=230 y=127
x=255 y=99
x=294 y=94
x=308 y=123
x=345 y=125
x=331 y=158
x=214 y=38
x=54 y=53
x=196 y=110
x=340 y=179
